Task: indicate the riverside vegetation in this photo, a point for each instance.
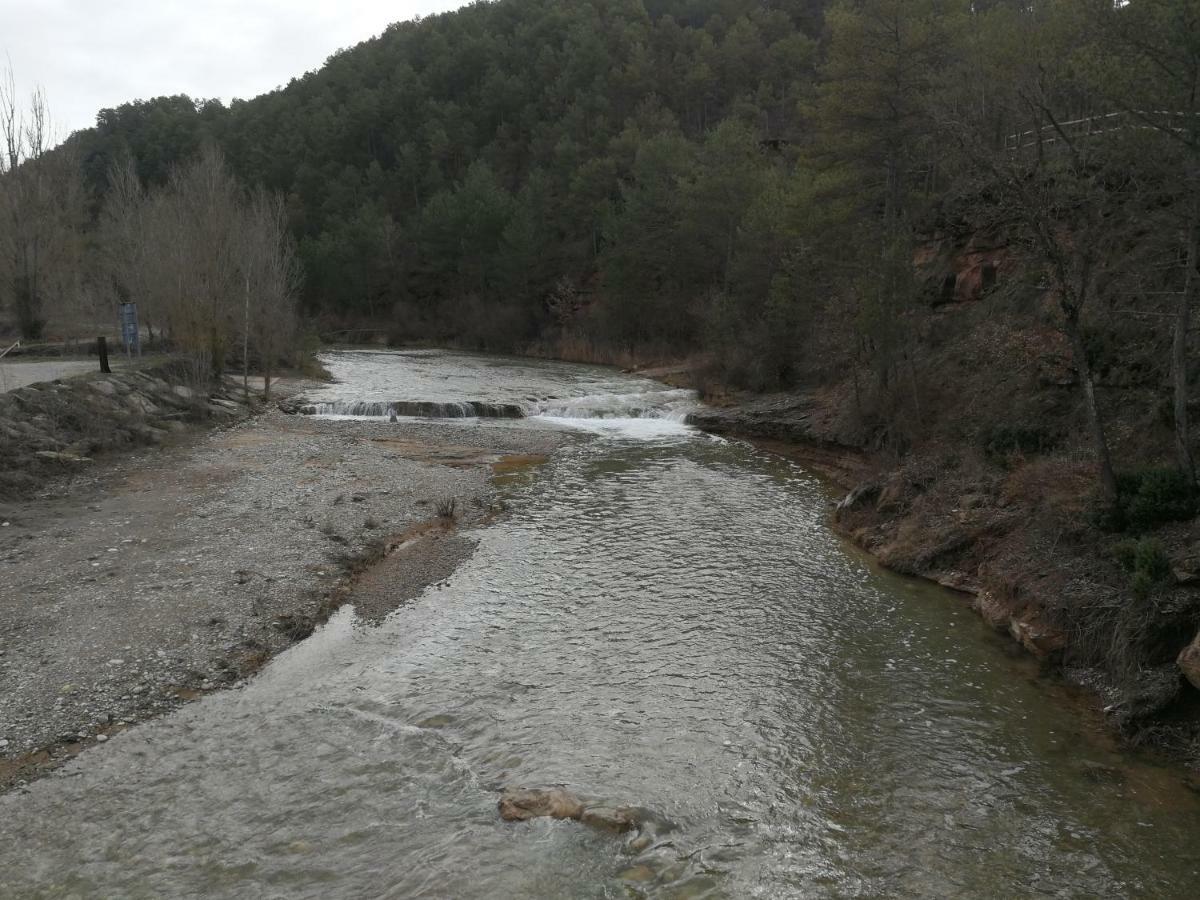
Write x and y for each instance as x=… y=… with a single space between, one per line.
x=962 y=237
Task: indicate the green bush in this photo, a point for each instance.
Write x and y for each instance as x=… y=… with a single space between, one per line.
x=1141 y=584
x=1125 y=553
x=1153 y=497
x=1151 y=558
x=1146 y=561
x=1109 y=517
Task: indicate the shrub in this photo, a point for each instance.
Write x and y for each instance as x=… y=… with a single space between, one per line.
x=1151 y=558
x=1165 y=495
x=1109 y=517
x=1141 y=584
x=1125 y=553
x=1149 y=498
x=1146 y=561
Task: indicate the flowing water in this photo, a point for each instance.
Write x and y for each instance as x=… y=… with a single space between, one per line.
x=665 y=621
x=454 y=386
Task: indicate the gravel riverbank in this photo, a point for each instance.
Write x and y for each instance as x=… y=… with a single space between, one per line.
x=154 y=577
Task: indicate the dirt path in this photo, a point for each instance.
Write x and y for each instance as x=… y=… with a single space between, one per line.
x=15 y=373
x=159 y=576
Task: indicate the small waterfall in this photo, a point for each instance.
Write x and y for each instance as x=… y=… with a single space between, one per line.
x=379 y=386
x=669 y=405
x=425 y=409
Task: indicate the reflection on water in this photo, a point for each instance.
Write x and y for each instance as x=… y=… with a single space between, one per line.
x=661 y=622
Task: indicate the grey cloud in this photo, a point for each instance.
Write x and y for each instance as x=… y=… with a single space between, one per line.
x=89 y=55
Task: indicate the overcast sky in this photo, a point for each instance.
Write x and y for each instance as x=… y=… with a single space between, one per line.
x=92 y=54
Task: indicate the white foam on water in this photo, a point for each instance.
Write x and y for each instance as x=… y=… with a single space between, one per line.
x=586 y=398
x=641 y=428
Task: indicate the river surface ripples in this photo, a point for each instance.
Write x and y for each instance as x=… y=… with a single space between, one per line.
x=664 y=620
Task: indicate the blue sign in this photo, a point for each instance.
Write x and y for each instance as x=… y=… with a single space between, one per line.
x=130 y=334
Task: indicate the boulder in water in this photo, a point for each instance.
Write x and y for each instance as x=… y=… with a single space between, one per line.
x=607 y=818
x=520 y=805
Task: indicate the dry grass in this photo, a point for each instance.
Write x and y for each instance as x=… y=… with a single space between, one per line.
x=1058 y=486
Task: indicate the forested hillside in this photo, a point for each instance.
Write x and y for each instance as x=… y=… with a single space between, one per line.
x=449 y=174
x=797 y=190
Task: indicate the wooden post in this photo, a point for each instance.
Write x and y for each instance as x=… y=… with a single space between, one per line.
x=102 y=349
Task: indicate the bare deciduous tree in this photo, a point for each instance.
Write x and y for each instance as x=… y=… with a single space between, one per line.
x=41 y=210
x=215 y=266
x=1063 y=193
x=128 y=244
x=202 y=214
x=272 y=278
x=1146 y=63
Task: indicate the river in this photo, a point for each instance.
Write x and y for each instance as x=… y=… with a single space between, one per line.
x=663 y=620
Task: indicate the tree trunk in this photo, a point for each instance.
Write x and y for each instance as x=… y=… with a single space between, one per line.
x=246 y=341
x=916 y=389
x=1179 y=356
x=102 y=352
x=729 y=255
x=1108 y=479
x=216 y=362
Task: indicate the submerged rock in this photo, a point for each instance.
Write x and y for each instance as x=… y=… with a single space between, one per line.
x=518 y=805
x=522 y=804
x=615 y=819
x=1101 y=773
x=640 y=843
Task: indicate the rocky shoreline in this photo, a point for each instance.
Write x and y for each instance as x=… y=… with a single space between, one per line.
x=1017 y=545
x=141 y=580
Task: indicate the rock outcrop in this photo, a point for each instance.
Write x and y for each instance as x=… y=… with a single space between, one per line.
x=811 y=429
x=1189 y=662
x=783 y=417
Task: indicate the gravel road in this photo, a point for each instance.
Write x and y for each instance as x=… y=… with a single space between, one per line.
x=155 y=577
x=17 y=373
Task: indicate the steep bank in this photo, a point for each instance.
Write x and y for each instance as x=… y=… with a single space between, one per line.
x=1016 y=538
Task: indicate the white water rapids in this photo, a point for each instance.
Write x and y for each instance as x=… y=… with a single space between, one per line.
x=492 y=388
